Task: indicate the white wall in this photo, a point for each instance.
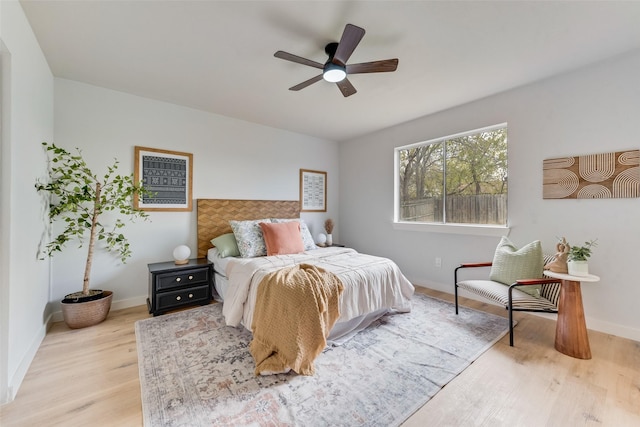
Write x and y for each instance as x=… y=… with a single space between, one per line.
x=593 y=110
x=232 y=159
x=27 y=119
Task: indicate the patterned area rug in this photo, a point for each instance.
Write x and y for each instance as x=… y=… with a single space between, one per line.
x=195 y=371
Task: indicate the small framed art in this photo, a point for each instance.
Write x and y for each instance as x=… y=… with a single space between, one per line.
x=313 y=191
x=168 y=177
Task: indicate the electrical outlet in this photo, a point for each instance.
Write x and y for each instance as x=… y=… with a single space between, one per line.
x=438 y=262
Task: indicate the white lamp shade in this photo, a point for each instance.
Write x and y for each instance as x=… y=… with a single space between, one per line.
x=181 y=254
x=334 y=75
x=321 y=239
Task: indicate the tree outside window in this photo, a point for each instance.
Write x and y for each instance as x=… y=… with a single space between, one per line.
x=460 y=179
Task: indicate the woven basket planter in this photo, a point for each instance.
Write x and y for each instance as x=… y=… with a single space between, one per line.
x=82 y=314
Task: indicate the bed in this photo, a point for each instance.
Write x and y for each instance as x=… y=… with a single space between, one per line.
x=373 y=285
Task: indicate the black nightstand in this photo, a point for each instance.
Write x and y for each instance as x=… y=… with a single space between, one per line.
x=173 y=286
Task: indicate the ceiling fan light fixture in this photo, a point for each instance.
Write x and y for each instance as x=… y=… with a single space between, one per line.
x=334 y=73
x=334 y=70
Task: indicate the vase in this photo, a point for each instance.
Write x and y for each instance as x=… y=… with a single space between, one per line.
x=83 y=314
x=578 y=268
x=329 y=240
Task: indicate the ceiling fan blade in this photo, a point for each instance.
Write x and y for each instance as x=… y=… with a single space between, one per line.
x=298 y=59
x=346 y=87
x=384 y=66
x=348 y=42
x=306 y=83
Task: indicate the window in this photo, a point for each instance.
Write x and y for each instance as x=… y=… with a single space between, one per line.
x=459 y=179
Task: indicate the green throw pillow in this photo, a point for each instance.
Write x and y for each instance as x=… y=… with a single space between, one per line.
x=511 y=264
x=226 y=244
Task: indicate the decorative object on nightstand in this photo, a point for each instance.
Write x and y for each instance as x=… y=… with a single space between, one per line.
x=181 y=254
x=174 y=286
x=578 y=256
x=77 y=197
x=328 y=226
x=321 y=239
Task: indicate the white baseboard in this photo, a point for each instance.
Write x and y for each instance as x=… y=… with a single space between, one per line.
x=613 y=329
x=603 y=326
x=16 y=381
x=25 y=363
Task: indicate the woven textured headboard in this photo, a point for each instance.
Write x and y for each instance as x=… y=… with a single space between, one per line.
x=214 y=216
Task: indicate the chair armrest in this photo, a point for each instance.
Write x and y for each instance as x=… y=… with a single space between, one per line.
x=527 y=282
x=466 y=265
x=475 y=264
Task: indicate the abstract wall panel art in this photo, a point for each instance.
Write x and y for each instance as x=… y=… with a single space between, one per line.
x=595 y=176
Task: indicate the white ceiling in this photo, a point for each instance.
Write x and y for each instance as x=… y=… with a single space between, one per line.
x=217 y=56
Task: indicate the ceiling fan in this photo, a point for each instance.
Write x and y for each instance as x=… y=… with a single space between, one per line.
x=336 y=69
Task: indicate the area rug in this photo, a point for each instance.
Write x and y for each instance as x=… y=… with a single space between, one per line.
x=195 y=371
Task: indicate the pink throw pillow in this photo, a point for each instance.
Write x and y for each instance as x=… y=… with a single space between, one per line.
x=282 y=238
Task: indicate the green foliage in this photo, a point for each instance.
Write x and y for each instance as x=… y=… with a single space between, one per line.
x=459 y=179
x=473 y=164
x=581 y=253
x=78 y=198
x=477 y=164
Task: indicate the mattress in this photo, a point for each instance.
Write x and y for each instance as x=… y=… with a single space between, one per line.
x=220 y=280
x=219 y=263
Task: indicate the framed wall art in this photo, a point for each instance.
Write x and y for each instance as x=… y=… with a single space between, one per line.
x=167 y=175
x=313 y=191
x=594 y=176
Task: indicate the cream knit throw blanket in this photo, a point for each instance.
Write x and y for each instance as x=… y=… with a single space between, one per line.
x=296 y=307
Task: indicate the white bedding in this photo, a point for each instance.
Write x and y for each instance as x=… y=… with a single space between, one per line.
x=371 y=283
x=221 y=284
x=219 y=263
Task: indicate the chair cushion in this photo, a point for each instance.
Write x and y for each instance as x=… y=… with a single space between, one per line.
x=511 y=264
x=499 y=293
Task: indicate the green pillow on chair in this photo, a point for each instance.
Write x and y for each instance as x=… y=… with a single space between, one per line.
x=511 y=264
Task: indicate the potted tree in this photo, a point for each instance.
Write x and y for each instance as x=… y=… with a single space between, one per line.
x=77 y=197
x=577 y=260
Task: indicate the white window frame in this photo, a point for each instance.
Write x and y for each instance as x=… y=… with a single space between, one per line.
x=471 y=229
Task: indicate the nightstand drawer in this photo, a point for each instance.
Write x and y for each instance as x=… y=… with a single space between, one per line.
x=174 y=286
x=182 y=297
x=181 y=279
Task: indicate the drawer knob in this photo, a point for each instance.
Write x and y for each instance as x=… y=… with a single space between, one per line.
x=190 y=277
x=190 y=295
x=178 y=298
x=178 y=279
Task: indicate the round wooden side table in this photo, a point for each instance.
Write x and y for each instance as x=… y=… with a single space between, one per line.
x=571 y=329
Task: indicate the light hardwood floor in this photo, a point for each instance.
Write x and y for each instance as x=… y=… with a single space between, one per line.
x=89 y=377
